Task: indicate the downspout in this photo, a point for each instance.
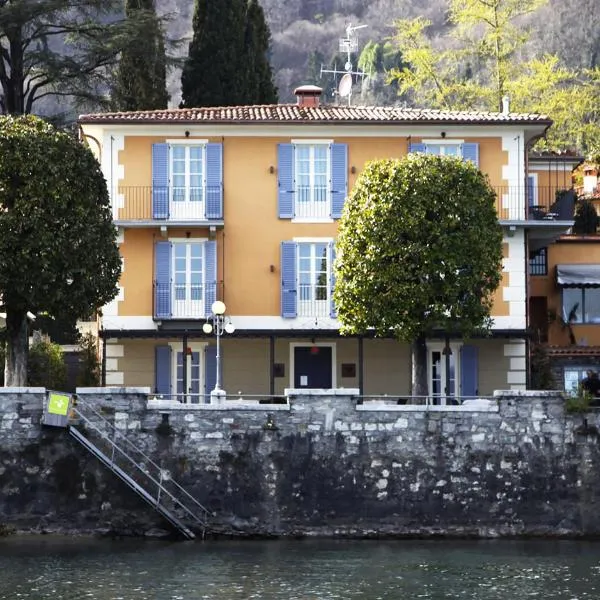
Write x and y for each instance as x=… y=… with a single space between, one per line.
x=103 y=375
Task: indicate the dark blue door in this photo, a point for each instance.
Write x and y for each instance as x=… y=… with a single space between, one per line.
x=312 y=367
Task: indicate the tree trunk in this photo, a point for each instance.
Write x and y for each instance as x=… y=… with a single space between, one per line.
x=419 y=367
x=17 y=346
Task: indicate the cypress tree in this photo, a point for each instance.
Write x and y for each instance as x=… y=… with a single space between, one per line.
x=140 y=82
x=260 y=87
x=215 y=70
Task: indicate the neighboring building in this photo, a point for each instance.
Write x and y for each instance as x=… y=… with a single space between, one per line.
x=564 y=303
x=241 y=204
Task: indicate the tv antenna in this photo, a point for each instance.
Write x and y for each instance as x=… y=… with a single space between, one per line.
x=348 y=44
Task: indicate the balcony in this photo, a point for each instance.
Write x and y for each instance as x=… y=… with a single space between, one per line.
x=184 y=302
x=139 y=205
x=550 y=203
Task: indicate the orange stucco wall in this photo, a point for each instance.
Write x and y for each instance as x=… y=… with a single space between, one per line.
x=249 y=245
x=567 y=251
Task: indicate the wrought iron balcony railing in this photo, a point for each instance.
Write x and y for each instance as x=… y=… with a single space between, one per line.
x=187 y=302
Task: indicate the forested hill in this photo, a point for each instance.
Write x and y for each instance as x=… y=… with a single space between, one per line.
x=305 y=34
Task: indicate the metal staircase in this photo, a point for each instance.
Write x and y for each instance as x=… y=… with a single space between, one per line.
x=152 y=483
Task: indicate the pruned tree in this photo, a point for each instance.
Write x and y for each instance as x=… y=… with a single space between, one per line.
x=141 y=77
x=58 y=251
x=59 y=48
x=260 y=88
x=418 y=253
x=214 y=72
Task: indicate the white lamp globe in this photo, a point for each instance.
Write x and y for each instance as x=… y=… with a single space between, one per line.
x=229 y=327
x=207 y=328
x=218 y=307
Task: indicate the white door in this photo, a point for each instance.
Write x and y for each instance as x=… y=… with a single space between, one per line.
x=193 y=375
x=188 y=278
x=187 y=182
x=438 y=381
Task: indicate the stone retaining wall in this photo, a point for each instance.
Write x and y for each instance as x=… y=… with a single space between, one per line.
x=322 y=465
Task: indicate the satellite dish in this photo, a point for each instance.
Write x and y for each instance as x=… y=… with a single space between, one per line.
x=345 y=87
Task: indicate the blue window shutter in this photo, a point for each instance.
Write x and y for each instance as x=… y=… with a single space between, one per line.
x=339 y=178
x=160 y=181
x=210 y=269
x=332 y=309
x=289 y=296
x=471 y=152
x=416 y=147
x=214 y=181
x=530 y=190
x=210 y=370
x=162 y=281
x=285 y=180
x=469 y=371
x=162 y=370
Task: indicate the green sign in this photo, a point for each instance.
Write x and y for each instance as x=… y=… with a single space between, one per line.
x=58 y=404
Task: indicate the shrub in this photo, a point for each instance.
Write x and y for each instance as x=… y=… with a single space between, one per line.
x=89 y=365
x=46 y=366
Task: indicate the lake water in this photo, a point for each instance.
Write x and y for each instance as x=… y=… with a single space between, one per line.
x=78 y=569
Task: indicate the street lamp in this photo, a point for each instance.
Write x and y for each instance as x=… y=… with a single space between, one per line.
x=220 y=324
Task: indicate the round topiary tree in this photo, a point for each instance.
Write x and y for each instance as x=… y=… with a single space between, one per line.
x=419 y=251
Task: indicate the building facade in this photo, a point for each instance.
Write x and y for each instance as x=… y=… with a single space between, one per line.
x=241 y=204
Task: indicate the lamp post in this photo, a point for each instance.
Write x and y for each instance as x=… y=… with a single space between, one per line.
x=218 y=323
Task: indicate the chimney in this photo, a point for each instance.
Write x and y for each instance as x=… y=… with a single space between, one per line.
x=590 y=179
x=505 y=105
x=308 y=95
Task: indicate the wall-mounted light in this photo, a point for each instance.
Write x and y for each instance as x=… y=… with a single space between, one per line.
x=271 y=169
x=272 y=268
x=187 y=134
x=353 y=169
x=443 y=134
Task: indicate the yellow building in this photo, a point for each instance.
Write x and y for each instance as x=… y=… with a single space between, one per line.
x=564 y=277
x=241 y=204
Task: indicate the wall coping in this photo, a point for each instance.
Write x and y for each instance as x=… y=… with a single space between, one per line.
x=529 y=394
x=228 y=405
x=80 y=391
x=467 y=406
x=22 y=390
x=306 y=392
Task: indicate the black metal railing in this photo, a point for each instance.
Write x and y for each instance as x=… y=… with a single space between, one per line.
x=152 y=203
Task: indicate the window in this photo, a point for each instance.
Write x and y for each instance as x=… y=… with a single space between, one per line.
x=573 y=376
x=312 y=180
x=538 y=262
x=313 y=280
x=581 y=305
x=187 y=181
x=307 y=279
x=464 y=150
x=185 y=279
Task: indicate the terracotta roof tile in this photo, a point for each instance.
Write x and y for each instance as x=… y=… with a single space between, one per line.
x=573 y=350
x=293 y=113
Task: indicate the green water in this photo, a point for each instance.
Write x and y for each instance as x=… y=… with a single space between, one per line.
x=67 y=569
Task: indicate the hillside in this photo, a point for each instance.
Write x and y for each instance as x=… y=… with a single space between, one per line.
x=302 y=28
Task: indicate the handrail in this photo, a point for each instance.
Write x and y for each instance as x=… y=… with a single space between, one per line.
x=117 y=433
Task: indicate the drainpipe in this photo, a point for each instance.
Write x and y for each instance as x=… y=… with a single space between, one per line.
x=271 y=365
x=103 y=376
x=360 y=366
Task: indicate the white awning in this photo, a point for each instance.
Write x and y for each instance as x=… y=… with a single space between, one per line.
x=578 y=275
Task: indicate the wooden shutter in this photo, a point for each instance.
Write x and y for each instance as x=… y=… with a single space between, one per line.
x=214 y=181
x=469 y=371
x=289 y=296
x=162 y=280
x=210 y=371
x=160 y=181
x=285 y=180
x=162 y=370
x=339 y=178
x=416 y=147
x=470 y=151
x=210 y=275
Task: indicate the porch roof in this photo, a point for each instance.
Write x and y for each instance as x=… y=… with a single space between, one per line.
x=578 y=275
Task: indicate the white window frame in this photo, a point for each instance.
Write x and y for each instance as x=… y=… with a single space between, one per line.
x=442 y=143
x=178 y=242
x=177 y=347
x=327 y=302
x=439 y=347
x=321 y=211
x=534 y=199
x=331 y=345
x=187 y=208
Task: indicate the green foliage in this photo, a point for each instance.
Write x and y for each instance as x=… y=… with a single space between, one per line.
x=586 y=217
x=59 y=48
x=227 y=62
x=58 y=251
x=419 y=249
x=542 y=377
x=46 y=366
x=140 y=82
x=490 y=36
x=89 y=364
x=579 y=403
